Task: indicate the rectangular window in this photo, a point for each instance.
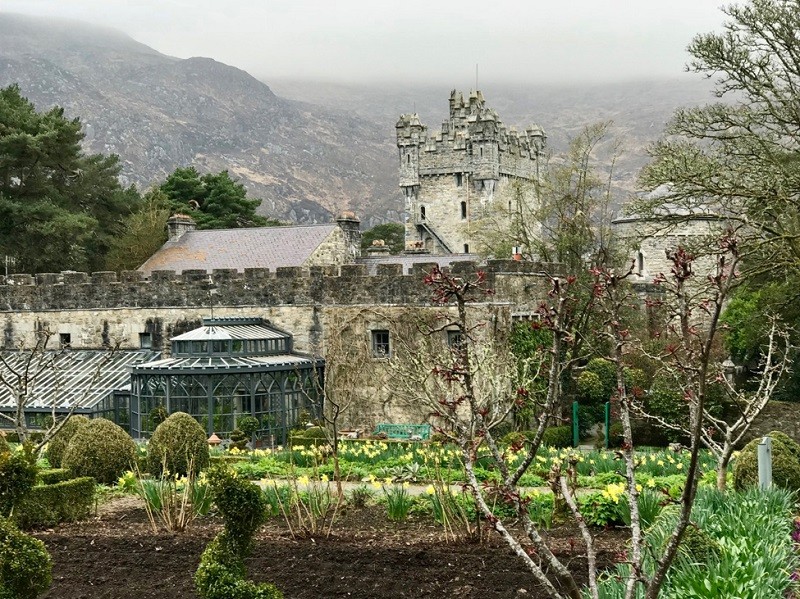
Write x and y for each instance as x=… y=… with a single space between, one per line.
x=145 y=341
x=455 y=339
x=459 y=179
x=64 y=339
x=380 y=344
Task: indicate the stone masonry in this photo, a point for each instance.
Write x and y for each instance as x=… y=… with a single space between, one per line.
x=451 y=177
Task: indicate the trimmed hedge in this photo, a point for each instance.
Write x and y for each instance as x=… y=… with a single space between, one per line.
x=58 y=444
x=48 y=505
x=557 y=436
x=100 y=449
x=25 y=565
x=52 y=476
x=177 y=442
x=785 y=463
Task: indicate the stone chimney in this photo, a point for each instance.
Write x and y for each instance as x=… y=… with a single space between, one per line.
x=351 y=227
x=178 y=224
x=378 y=249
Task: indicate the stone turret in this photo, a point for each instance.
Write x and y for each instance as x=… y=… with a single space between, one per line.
x=450 y=177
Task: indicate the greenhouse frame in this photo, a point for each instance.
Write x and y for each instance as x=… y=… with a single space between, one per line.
x=228 y=368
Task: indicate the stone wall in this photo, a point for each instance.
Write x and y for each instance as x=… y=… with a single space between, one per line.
x=312 y=304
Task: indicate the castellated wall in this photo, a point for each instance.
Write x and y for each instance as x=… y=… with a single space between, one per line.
x=325 y=308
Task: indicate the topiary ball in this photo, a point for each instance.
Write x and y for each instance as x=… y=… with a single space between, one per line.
x=100 y=449
x=25 y=566
x=177 y=443
x=58 y=444
x=785 y=463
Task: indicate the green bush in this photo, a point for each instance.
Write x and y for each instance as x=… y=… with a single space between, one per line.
x=17 y=476
x=514 y=438
x=4 y=447
x=25 y=566
x=158 y=415
x=178 y=442
x=58 y=444
x=785 y=463
x=698 y=545
x=52 y=476
x=100 y=449
x=221 y=573
x=248 y=425
x=312 y=436
x=48 y=505
x=557 y=436
x=616 y=434
x=591 y=389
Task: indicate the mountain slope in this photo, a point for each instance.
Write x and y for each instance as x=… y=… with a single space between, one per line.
x=159 y=112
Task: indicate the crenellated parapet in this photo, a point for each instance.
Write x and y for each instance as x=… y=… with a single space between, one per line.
x=349 y=284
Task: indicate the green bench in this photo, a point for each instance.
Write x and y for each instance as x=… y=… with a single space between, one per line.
x=406 y=432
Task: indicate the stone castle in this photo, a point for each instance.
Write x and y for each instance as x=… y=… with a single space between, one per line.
x=450 y=178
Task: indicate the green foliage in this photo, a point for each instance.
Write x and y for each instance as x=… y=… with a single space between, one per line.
x=4 y=447
x=139 y=234
x=17 y=477
x=557 y=436
x=393 y=234
x=178 y=443
x=51 y=504
x=616 y=434
x=57 y=205
x=58 y=444
x=785 y=463
x=606 y=372
x=25 y=565
x=591 y=389
x=158 y=415
x=398 y=501
x=51 y=476
x=248 y=425
x=598 y=509
x=221 y=573
x=649 y=503
x=215 y=201
x=100 y=449
x=698 y=546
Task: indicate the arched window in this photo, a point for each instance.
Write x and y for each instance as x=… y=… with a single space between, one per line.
x=463 y=210
x=422 y=212
x=639 y=263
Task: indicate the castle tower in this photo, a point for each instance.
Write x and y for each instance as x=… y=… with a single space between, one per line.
x=451 y=178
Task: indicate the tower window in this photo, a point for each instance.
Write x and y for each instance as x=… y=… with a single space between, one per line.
x=455 y=340
x=64 y=339
x=466 y=248
x=408 y=158
x=380 y=343
x=422 y=212
x=459 y=179
x=639 y=263
x=463 y=210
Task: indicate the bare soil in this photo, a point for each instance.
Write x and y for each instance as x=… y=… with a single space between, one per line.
x=116 y=555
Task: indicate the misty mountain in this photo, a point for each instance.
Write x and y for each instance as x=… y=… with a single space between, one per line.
x=308 y=149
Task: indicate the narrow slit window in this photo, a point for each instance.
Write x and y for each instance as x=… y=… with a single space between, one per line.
x=422 y=212
x=463 y=210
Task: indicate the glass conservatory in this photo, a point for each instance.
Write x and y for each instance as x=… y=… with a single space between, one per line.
x=228 y=368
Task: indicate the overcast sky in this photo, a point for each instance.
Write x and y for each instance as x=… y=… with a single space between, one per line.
x=527 y=41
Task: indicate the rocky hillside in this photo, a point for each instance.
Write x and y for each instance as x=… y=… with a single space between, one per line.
x=159 y=112
x=328 y=148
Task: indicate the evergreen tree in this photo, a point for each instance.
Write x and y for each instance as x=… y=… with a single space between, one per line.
x=57 y=205
x=215 y=201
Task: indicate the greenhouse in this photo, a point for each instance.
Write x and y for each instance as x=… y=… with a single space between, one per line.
x=228 y=368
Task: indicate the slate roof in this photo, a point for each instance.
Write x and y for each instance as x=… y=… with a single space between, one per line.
x=259 y=247
x=77 y=377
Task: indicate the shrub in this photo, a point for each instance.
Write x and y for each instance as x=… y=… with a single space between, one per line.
x=248 y=425
x=785 y=463
x=25 y=566
x=698 y=545
x=58 y=444
x=52 y=476
x=557 y=436
x=616 y=434
x=514 y=438
x=100 y=449
x=221 y=573
x=48 y=505
x=178 y=442
x=17 y=477
x=4 y=447
x=158 y=415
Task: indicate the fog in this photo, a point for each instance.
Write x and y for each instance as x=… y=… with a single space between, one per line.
x=412 y=41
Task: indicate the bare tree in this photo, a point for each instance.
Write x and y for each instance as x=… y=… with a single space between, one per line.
x=721 y=434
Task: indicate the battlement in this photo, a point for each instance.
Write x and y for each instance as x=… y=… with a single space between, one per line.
x=473 y=141
x=349 y=284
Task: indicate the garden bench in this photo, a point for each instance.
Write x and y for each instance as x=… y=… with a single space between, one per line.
x=412 y=432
